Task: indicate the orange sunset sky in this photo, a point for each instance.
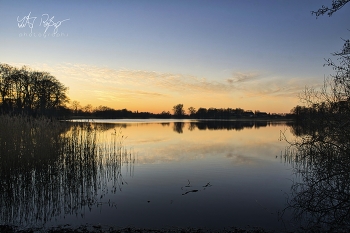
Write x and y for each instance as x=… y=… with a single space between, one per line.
x=152 y=55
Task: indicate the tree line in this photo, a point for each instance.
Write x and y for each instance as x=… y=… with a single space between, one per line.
x=323 y=110
x=220 y=113
x=23 y=90
x=178 y=111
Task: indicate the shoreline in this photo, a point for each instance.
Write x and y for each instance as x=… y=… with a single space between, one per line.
x=99 y=229
x=181 y=119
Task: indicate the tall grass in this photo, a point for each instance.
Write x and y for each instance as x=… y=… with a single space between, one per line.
x=49 y=168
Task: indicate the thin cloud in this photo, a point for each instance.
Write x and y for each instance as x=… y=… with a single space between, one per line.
x=277 y=87
x=239 y=77
x=124 y=84
x=123 y=95
x=142 y=79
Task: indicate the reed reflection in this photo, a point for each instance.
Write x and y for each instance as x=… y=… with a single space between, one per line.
x=321 y=160
x=52 y=169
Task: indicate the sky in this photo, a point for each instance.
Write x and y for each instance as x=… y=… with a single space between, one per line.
x=152 y=55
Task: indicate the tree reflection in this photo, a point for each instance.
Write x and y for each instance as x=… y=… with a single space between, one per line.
x=321 y=160
x=178 y=127
x=220 y=125
x=49 y=169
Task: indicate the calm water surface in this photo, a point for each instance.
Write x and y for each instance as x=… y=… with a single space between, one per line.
x=190 y=174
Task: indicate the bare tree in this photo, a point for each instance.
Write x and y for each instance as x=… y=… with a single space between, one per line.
x=336 y=5
x=76 y=106
x=24 y=90
x=320 y=155
x=192 y=110
x=88 y=108
x=179 y=110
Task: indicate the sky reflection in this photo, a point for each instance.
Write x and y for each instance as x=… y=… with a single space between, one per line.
x=213 y=178
x=247 y=175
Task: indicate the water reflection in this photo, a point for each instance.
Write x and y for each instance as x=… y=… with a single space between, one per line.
x=321 y=160
x=50 y=170
x=213 y=174
x=228 y=125
x=178 y=126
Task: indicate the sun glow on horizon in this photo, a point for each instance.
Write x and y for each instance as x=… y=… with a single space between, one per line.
x=155 y=92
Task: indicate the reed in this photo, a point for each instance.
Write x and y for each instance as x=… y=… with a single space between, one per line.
x=50 y=168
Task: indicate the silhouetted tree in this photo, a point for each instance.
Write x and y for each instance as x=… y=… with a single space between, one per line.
x=179 y=110
x=336 y=5
x=24 y=90
x=211 y=113
x=332 y=101
x=239 y=112
x=103 y=108
x=5 y=85
x=87 y=108
x=191 y=111
x=76 y=106
x=50 y=93
x=165 y=114
x=202 y=113
x=320 y=154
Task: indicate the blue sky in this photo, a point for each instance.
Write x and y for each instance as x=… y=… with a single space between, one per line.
x=151 y=55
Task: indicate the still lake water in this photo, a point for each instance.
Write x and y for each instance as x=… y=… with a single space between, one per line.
x=201 y=174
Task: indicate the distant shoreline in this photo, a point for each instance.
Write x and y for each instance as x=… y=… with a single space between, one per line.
x=194 y=119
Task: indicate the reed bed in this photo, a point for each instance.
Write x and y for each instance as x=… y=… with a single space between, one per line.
x=49 y=169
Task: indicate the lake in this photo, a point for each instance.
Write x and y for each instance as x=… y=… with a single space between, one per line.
x=159 y=174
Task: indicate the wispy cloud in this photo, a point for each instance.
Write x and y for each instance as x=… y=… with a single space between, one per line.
x=147 y=80
x=123 y=95
x=124 y=85
x=278 y=87
x=239 y=77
